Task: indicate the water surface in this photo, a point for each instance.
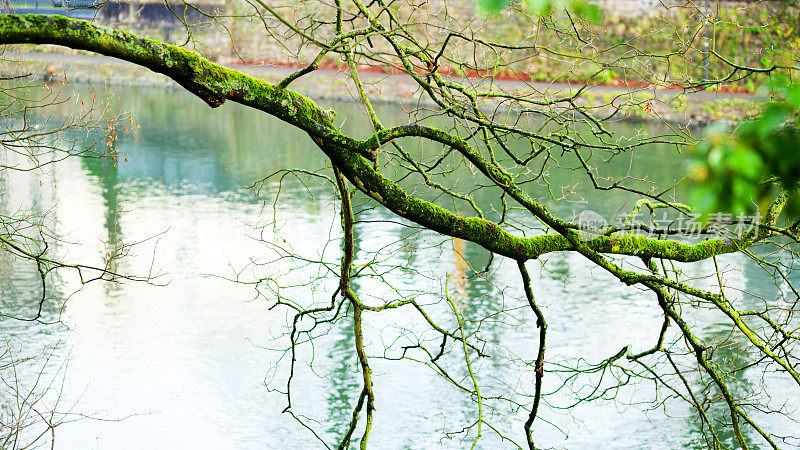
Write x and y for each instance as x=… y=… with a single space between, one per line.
x=191 y=362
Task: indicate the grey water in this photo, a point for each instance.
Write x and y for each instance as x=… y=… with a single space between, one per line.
x=194 y=359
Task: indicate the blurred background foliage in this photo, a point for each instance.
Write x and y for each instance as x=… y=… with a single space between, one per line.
x=737 y=168
x=742 y=169
x=585 y=10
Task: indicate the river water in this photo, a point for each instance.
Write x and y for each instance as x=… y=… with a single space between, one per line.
x=193 y=360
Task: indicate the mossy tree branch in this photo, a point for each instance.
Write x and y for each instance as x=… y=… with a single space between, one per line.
x=216 y=84
x=357 y=161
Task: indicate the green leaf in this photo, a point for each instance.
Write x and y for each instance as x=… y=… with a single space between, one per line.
x=541 y=7
x=491 y=5
x=771 y=119
x=793 y=96
x=716 y=157
x=588 y=11
x=703 y=199
x=748 y=163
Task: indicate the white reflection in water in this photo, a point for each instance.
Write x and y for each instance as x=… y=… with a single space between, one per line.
x=183 y=364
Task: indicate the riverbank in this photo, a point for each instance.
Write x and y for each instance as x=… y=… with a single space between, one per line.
x=623 y=102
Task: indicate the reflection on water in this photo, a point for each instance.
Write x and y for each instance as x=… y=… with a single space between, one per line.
x=186 y=364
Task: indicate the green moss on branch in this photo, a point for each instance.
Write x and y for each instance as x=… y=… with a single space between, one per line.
x=216 y=84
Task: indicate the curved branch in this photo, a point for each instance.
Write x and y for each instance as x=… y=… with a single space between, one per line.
x=216 y=84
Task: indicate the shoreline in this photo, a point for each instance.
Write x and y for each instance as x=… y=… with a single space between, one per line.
x=332 y=84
